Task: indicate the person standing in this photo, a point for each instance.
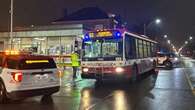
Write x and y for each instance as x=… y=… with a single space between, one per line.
x=75 y=63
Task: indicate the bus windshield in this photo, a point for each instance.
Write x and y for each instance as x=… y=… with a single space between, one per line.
x=102 y=48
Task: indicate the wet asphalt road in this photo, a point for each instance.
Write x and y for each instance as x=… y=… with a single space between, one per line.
x=169 y=90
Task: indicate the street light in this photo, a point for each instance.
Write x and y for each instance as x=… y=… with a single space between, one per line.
x=169 y=41
x=186 y=42
x=157 y=21
x=11 y=24
x=190 y=38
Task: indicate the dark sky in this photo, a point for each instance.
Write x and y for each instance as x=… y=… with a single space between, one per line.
x=178 y=15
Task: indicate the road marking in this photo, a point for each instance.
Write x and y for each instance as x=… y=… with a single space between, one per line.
x=189 y=81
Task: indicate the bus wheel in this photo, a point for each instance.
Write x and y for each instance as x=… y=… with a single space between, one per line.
x=3 y=97
x=134 y=77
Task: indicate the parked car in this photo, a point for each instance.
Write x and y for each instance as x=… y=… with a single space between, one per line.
x=167 y=59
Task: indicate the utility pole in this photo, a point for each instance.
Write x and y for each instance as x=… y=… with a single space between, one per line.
x=145 y=29
x=11 y=25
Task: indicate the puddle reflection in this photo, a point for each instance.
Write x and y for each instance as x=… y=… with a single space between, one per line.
x=120 y=100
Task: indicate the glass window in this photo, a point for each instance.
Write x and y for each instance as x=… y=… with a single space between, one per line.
x=67 y=44
x=92 y=49
x=54 y=45
x=145 y=49
x=137 y=48
x=12 y=64
x=26 y=44
x=109 y=49
x=141 y=49
x=153 y=49
x=103 y=48
x=39 y=45
x=130 y=50
x=149 y=49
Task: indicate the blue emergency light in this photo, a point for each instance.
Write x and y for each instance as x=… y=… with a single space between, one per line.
x=117 y=34
x=86 y=37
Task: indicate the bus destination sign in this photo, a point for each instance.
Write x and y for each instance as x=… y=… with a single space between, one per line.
x=101 y=34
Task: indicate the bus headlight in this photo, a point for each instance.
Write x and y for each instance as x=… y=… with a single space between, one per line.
x=176 y=59
x=119 y=70
x=85 y=69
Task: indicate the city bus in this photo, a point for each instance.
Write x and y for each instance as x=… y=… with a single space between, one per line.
x=116 y=54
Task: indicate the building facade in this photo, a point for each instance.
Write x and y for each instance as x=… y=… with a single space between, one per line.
x=50 y=40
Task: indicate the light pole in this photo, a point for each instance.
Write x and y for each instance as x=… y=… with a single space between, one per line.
x=157 y=21
x=11 y=24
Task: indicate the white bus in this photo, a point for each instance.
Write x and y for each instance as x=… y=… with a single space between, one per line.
x=116 y=54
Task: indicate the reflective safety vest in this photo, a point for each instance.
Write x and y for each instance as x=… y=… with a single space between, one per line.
x=75 y=59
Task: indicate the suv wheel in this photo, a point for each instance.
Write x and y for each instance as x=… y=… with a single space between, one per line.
x=2 y=93
x=47 y=99
x=168 y=64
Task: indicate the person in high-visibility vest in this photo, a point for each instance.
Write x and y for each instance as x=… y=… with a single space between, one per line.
x=75 y=63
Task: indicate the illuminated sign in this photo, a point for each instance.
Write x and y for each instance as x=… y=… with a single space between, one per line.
x=104 y=34
x=91 y=34
x=7 y=52
x=36 y=61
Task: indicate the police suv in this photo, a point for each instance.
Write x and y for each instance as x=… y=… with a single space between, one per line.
x=25 y=75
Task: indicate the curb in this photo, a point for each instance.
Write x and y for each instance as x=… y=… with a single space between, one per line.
x=187 y=75
x=189 y=81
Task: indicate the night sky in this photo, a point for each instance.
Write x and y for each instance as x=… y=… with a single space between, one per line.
x=178 y=17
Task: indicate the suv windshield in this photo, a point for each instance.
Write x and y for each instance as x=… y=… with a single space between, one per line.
x=103 y=48
x=170 y=55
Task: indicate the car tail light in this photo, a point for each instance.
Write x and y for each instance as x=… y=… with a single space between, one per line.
x=17 y=76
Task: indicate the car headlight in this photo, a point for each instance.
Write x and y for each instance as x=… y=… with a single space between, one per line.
x=119 y=70
x=85 y=69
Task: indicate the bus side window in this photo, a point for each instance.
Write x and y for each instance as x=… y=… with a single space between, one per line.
x=141 y=48
x=137 y=48
x=129 y=47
